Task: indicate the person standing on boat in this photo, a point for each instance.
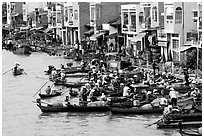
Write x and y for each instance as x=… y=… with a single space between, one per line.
x=48 y=90
x=62 y=75
x=173 y=96
x=126 y=90
x=83 y=95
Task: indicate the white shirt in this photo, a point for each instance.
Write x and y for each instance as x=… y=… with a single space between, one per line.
x=163 y=101
x=126 y=90
x=173 y=94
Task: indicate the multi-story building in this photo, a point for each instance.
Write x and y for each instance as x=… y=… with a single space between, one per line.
x=14 y=9
x=179 y=25
x=76 y=17
x=4 y=13
x=140 y=23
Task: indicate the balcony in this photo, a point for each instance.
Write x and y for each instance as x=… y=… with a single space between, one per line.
x=70 y=22
x=125 y=28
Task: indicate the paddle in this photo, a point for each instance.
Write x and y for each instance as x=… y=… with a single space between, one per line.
x=40 y=88
x=40 y=77
x=6 y=72
x=25 y=73
x=153 y=123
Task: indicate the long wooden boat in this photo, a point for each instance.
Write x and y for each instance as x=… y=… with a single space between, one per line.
x=76 y=70
x=134 y=110
x=76 y=75
x=23 y=49
x=69 y=84
x=18 y=72
x=190 y=132
x=175 y=124
x=73 y=108
x=50 y=95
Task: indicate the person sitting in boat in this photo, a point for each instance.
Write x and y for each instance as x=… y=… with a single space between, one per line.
x=196 y=94
x=54 y=74
x=62 y=75
x=91 y=96
x=50 y=67
x=67 y=100
x=69 y=65
x=62 y=66
x=149 y=97
x=96 y=88
x=167 y=110
x=48 y=90
x=16 y=67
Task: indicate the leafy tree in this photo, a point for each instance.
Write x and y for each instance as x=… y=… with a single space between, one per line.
x=191 y=61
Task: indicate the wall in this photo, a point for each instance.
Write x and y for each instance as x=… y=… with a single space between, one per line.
x=84 y=13
x=19 y=7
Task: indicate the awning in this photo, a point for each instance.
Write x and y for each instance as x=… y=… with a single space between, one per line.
x=95 y=36
x=162 y=43
x=112 y=35
x=111 y=54
x=138 y=37
x=48 y=29
x=89 y=32
x=117 y=21
x=183 y=48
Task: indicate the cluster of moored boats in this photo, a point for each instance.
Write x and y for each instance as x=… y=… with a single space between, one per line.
x=126 y=92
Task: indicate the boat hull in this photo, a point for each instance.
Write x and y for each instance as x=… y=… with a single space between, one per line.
x=48 y=96
x=73 y=108
x=138 y=110
x=18 y=72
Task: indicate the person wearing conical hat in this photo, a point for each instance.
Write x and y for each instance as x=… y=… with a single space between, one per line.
x=173 y=96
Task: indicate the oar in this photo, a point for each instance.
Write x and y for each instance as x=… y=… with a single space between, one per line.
x=40 y=77
x=153 y=123
x=40 y=88
x=25 y=73
x=6 y=72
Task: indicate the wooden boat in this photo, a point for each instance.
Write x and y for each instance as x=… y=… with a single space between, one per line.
x=18 y=72
x=175 y=124
x=69 y=84
x=134 y=110
x=50 y=95
x=76 y=70
x=72 y=108
x=76 y=75
x=190 y=132
x=23 y=49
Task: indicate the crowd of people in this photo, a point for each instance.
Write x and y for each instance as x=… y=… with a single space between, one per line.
x=102 y=81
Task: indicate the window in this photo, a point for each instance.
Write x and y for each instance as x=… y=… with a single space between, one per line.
x=92 y=13
x=169 y=14
x=175 y=35
x=98 y=13
x=59 y=18
x=75 y=14
x=188 y=36
x=195 y=14
x=125 y=21
x=70 y=15
x=133 y=21
x=154 y=13
x=141 y=18
x=175 y=44
x=66 y=14
x=178 y=15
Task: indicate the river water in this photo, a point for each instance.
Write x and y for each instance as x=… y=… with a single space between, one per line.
x=21 y=117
